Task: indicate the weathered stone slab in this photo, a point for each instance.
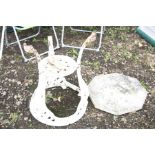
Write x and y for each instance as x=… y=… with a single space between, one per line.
x=116 y=93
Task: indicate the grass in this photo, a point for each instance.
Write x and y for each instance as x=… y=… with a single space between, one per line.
x=119 y=33
x=95 y=65
x=0 y=66
x=18 y=57
x=73 y=53
x=50 y=96
x=144 y=85
x=118 y=54
x=44 y=40
x=106 y=56
x=150 y=48
x=13 y=117
x=1 y=114
x=126 y=54
x=135 y=57
x=30 y=125
x=32 y=87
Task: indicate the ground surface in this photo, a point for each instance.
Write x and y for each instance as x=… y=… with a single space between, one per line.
x=122 y=51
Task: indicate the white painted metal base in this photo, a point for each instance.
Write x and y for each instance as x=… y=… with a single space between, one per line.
x=52 y=76
x=52 y=72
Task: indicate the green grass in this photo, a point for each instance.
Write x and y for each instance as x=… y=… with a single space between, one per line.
x=18 y=57
x=13 y=117
x=135 y=57
x=119 y=33
x=144 y=85
x=30 y=125
x=95 y=65
x=73 y=53
x=106 y=56
x=126 y=54
x=1 y=113
x=50 y=97
x=44 y=40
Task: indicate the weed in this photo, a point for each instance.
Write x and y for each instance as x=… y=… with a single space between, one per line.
x=107 y=57
x=150 y=48
x=111 y=33
x=34 y=40
x=122 y=36
x=126 y=54
x=126 y=29
x=13 y=118
x=135 y=57
x=73 y=53
x=144 y=85
x=18 y=57
x=30 y=125
x=32 y=87
x=117 y=33
x=95 y=64
x=50 y=96
x=1 y=114
x=45 y=41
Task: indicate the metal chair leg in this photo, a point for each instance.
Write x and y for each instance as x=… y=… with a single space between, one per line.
x=62 y=36
x=19 y=44
x=2 y=41
x=101 y=35
x=56 y=37
x=34 y=35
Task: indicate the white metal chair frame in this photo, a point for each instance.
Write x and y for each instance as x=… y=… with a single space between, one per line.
x=15 y=29
x=101 y=32
x=21 y=29
x=52 y=72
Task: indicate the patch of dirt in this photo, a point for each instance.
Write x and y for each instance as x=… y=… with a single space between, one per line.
x=122 y=51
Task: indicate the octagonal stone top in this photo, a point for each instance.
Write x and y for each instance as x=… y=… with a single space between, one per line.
x=116 y=93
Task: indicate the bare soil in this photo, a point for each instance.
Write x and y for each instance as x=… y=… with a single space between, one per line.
x=122 y=51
